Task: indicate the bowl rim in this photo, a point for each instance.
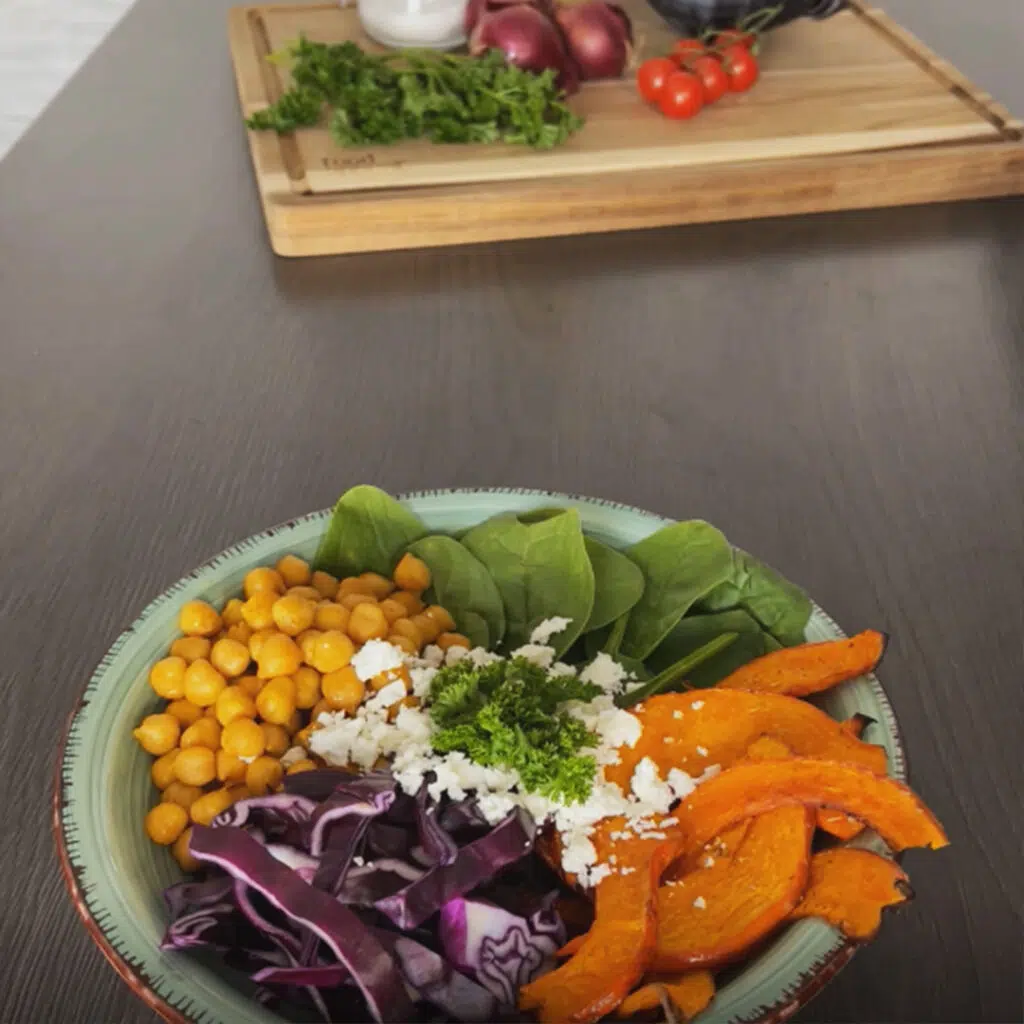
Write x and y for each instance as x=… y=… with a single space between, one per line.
x=807 y=987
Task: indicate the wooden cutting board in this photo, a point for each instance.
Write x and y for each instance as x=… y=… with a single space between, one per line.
x=836 y=99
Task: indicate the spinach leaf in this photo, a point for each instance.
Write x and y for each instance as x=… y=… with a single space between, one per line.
x=618 y=584
x=368 y=532
x=676 y=676
x=694 y=631
x=681 y=563
x=541 y=570
x=462 y=584
x=781 y=607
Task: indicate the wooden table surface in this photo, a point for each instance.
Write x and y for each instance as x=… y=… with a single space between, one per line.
x=843 y=395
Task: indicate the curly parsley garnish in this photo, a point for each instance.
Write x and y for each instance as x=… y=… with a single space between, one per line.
x=507 y=715
x=374 y=99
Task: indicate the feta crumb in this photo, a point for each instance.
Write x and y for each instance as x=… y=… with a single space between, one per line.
x=578 y=855
x=703 y=751
x=677 y=714
x=627 y=871
x=560 y=668
x=606 y=674
x=455 y=654
x=613 y=859
x=358 y=861
x=292 y=756
x=700 y=903
x=697 y=705
x=548 y=628
x=433 y=655
x=376 y=656
x=387 y=695
x=481 y=658
x=648 y=786
x=709 y=861
x=681 y=783
x=422 y=678
x=536 y=654
x=709 y=773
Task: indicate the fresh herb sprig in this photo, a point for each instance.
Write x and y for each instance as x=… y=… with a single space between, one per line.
x=380 y=99
x=507 y=715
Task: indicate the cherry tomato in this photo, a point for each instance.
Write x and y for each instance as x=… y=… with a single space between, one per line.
x=712 y=77
x=741 y=67
x=686 y=51
x=652 y=75
x=734 y=37
x=682 y=96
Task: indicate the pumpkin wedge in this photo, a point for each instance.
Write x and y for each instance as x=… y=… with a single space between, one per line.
x=810 y=668
x=850 y=888
x=714 y=915
x=692 y=731
x=689 y=993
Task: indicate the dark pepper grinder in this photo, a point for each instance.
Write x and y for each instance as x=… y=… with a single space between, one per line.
x=691 y=17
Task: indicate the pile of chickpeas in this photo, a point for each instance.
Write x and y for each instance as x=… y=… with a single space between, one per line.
x=247 y=683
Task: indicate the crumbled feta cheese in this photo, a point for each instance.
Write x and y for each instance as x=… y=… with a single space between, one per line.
x=376 y=656
x=703 y=751
x=677 y=714
x=292 y=756
x=560 y=668
x=481 y=658
x=682 y=784
x=455 y=654
x=578 y=855
x=433 y=656
x=627 y=871
x=606 y=674
x=536 y=654
x=613 y=859
x=421 y=680
x=358 y=861
x=548 y=628
x=700 y=903
x=709 y=861
x=598 y=873
x=709 y=773
x=697 y=705
x=387 y=695
x=648 y=786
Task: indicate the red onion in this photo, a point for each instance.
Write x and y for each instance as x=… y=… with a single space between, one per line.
x=476 y=9
x=599 y=37
x=528 y=38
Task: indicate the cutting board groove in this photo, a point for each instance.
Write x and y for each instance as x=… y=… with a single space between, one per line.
x=850 y=113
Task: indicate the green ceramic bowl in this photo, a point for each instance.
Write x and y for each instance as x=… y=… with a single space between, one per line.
x=115 y=875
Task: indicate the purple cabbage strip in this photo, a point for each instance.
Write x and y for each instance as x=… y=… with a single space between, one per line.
x=323 y=976
x=439 y=847
x=474 y=864
x=285 y=940
x=341 y=804
x=317 y=785
x=499 y=949
x=356 y=948
x=195 y=894
x=191 y=930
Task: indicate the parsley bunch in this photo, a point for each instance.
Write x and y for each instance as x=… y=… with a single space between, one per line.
x=373 y=99
x=506 y=715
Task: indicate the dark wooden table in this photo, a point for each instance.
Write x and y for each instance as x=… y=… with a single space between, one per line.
x=844 y=395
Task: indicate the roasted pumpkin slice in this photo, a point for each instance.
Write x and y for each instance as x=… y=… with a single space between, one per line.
x=689 y=993
x=712 y=917
x=619 y=947
x=810 y=668
x=693 y=731
x=850 y=888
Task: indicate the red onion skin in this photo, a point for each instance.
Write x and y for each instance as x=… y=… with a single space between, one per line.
x=598 y=35
x=476 y=9
x=528 y=38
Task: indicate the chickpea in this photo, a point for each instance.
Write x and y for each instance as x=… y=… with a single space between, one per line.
x=162 y=769
x=251 y=684
x=332 y=650
x=409 y=701
x=258 y=611
x=393 y=610
x=367 y=622
x=209 y=805
x=279 y=656
x=191 y=648
x=263 y=775
x=343 y=690
x=230 y=658
x=409 y=628
x=183 y=855
x=448 y=640
x=258 y=638
x=305 y=765
x=350 y=585
x=325 y=584
x=379 y=586
x=412 y=603
x=197 y=618
x=243 y=738
x=240 y=631
x=167 y=677
x=303 y=735
x=204 y=733
x=182 y=794
x=262 y=580
x=320 y=707
x=239 y=791
x=352 y=601
x=276 y=701
x=331 y=616
x=196 y=766
x=230 y=767
x=165 y=822
x=276 y=737
x=158 y=734
x=292 y=615
x=307 y=687
x=309 y=593
x=234 y=702
x=412 y=573
x=184 y=711
x=231 y=613
x=294 y=723
x=442 y=617
x=306 y=642
x=203 y=683
x=294 y=571
x=403 y=643
x=430 y=629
